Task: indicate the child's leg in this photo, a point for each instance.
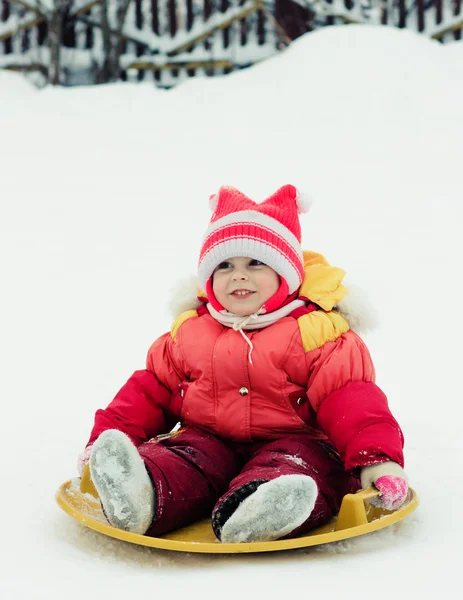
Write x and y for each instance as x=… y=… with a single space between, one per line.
x=122 y=482
x=287 y=487
x=190 y=470
x=164 y=483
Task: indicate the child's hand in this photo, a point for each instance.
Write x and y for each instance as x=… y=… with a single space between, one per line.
x=389 y=478
x=83 y=459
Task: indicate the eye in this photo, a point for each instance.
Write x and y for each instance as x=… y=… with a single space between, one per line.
x=224 y=265
x=256 y=263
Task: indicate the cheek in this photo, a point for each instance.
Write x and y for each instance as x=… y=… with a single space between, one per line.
x=218 y=285
x=274 y=284
x=270 y=284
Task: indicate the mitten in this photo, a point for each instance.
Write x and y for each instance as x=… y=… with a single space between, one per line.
x=83 y=459
x=389 y=478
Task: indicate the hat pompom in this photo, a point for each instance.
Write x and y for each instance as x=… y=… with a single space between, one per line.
x=303 y=201
x=213 y=200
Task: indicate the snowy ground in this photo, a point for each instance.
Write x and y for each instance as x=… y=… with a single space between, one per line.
x=103 y=203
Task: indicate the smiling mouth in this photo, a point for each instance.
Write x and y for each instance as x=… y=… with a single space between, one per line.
x=242 y=294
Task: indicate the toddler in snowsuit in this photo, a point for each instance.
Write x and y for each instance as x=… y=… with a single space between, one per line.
x=279 y=412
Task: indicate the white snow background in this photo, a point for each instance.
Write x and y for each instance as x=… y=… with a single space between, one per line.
x=104 y=199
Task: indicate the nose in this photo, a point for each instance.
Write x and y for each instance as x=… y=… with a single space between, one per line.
x=239 y=275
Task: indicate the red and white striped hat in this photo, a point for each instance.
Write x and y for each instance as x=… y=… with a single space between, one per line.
x=269 y=232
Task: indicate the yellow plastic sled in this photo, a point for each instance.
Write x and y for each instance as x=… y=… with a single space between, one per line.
x=79 y=499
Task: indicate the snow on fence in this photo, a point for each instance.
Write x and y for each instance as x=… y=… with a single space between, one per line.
x=165 y=40
x=92 y=41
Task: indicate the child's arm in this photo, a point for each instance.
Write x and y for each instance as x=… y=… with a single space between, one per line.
x=139 y=409
x=350 y=407
x=145 y=406
x=355 y=415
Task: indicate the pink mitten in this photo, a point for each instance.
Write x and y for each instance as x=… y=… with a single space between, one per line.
x=393 y=491
x=389 y=478
x=83 y=459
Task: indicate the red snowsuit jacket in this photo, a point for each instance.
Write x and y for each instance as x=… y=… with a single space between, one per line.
x=309 y=373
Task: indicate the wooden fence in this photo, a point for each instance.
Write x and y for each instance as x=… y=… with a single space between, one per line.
x=168 y=40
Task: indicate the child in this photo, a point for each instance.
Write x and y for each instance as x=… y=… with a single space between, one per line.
x=276 y=396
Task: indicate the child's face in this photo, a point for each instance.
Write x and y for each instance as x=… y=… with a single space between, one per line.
x=242 y=285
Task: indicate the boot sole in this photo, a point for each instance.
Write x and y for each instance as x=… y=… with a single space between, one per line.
x=122 y=482
x=274 y=510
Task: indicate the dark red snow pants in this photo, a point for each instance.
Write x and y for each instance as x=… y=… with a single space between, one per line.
x=196 y=473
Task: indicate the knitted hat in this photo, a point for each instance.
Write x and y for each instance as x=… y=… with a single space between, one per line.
x=269 y=232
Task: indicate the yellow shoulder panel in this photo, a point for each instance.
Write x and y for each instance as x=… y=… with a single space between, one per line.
x=319 y=327
x=322 y=283
x=314 y=258
x=180 y=320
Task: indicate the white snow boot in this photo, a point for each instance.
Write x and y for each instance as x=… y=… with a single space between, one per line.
x=275 y=509
x=122 y=482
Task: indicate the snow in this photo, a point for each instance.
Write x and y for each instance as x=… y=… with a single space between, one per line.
x=104 y=199
x=295 y=459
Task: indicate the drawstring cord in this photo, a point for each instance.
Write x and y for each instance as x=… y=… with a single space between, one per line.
x=259 y=319
x=239 y=327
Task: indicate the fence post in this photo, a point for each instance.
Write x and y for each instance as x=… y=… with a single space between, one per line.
x=55 y=29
